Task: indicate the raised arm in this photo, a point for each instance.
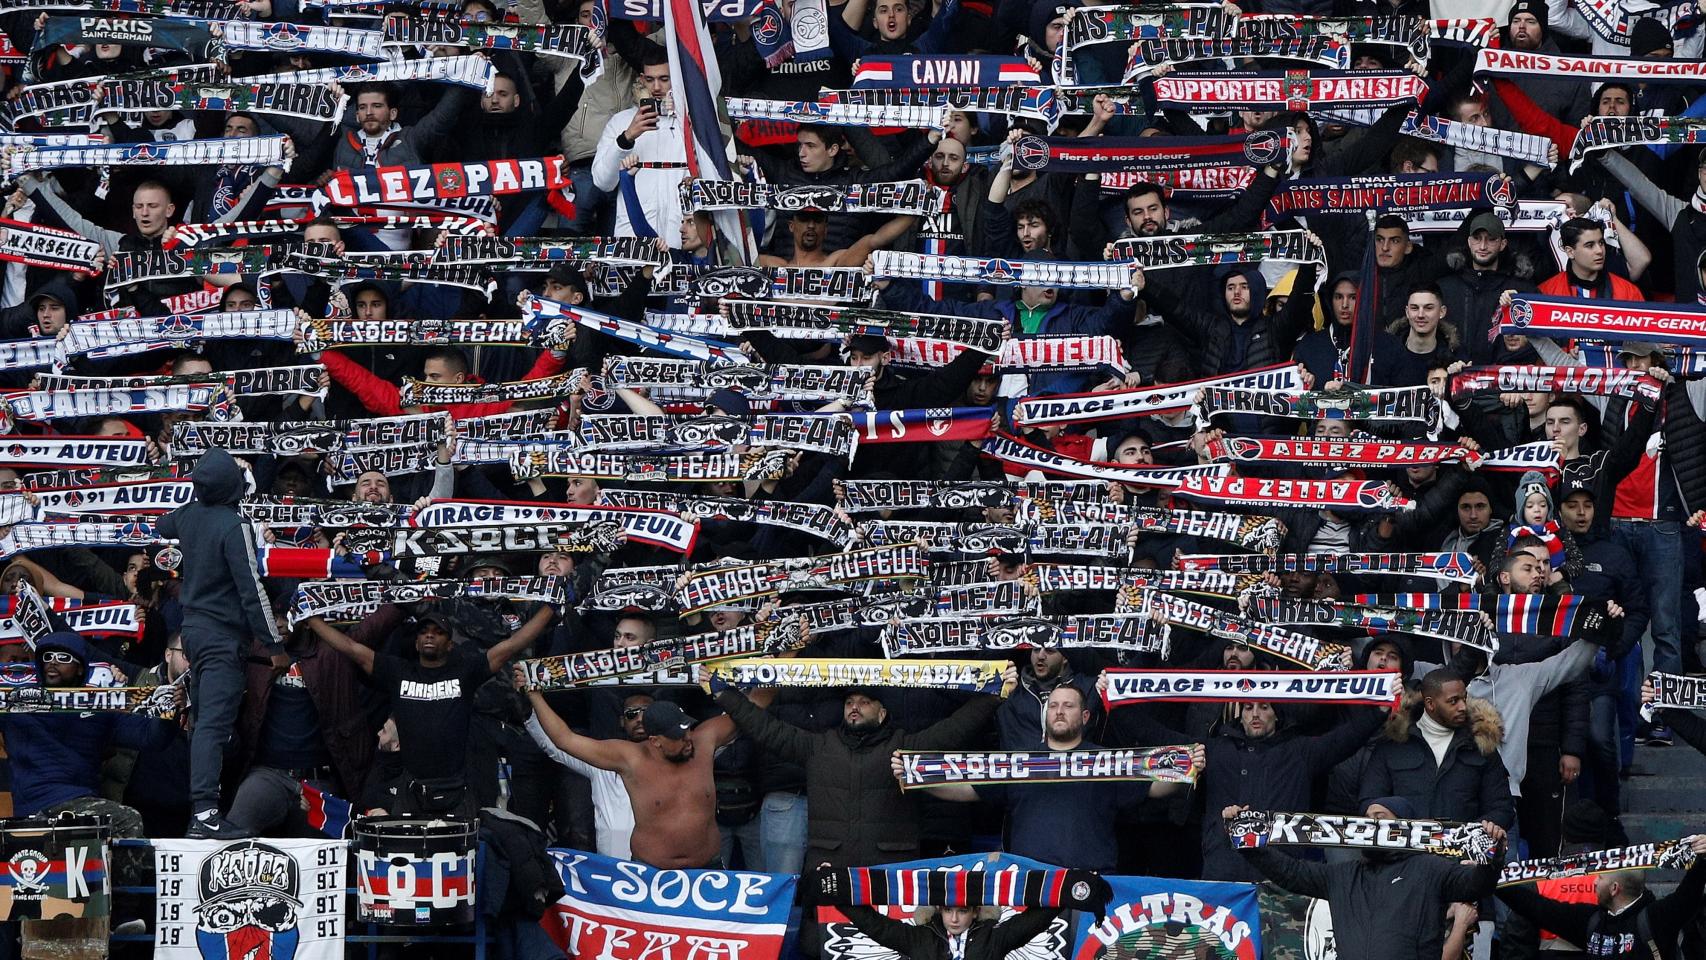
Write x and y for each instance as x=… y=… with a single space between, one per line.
x=239 y=549
x=520 y=639
x=613 y=755
x=361 y=656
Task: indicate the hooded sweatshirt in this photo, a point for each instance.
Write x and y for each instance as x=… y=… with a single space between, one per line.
x=222 y=587
x=56 y=757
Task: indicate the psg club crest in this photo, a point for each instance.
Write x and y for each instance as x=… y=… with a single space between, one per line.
x=1263 y=147
x=1522 y=313
x=250 y=897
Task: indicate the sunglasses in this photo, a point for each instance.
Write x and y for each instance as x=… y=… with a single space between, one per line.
x=633 y=712
x=57 y=656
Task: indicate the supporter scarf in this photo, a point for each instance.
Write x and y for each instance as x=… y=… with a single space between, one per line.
x=1602 y=133
x=522 y=253
x=1463 y=626
x=1374 y=688
x=1004 y=598
x=1130 y=632
x=130 y=267
x=1391 y=193
x=302 y=38
x=1674 y=690
x=582 y=669
x=809 y=322
x=1038 y=103
x=546 y=328
x=1635 y=70
x=419 y=393
x=1016 y=453
x=72 y=102
x=213 y=397
x=1315 y=494
x=527 y=461
x=1250 y=532
x=291 y=438
x=975 y=538
x=318 y=335
x=182 y=9
x=642 y=524
x=443 y=541
x=309 y=101
x=99 y=338
x=1336 y=453
x=717 y=586
x=1537 y=315
x=25 y=537
x=820 y=433
x=30 y=616
x=1033 y=354
x=1409 y=33
x=1527 y=147
x=1260 y=828
x=785 y=283
x=1108 y=154
x=1464 y=31
x=347 y=466
x=1569 y=615
x=811 y=518
x=1063 y=578
x=922 y=770
x=923 y=426
x=519 y=424
x=155 y=702
x=767 y=381
x=52 y=140
x=943 y=71
x=894 y=264
x=1147 y=56
x=1595 y=381
x=185 y=36
x=259 y=151
x=260 y=382
x=1398 y=404
x=1296 y=647
x=62 y=451
x=1539 y=455
x=88 y=619
x=1158 y=253
x=300 y=202
x=445 y=181
x=966 y=676
x=1290 y=90
x=318 y=598
x=314 y=512
x=82 y=477
x=834 y=114
x=907 y=197
x=1147 y=401
x=31 y=354
x=1457 y=567
x=1657 y=855
x=1092 y=25
x=469 y=71
x=352 y=270
x=567 y=40
x=866 y=496
x=648 y=588
x=47 y=247
x=307 y=563
x=148 y=496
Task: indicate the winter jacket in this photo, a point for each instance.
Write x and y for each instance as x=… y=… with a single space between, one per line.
x=1276 y=772
x=856 y=814
x=56 y=757
x=336 y=687
x=1393 y=909
x=1019 y=722
x=222 y=591
x=985 y=939
x=405 y=146
x=844 y=229
x=1602 y=934
x=1222 y=344
x=1471 y=300
x=1686 y=225
x=1470 y=784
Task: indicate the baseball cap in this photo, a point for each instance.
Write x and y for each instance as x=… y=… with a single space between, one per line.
x=1489 y=222
x=437 y=619
x=248 y=869
x=665 y=719
x=866 y=343
x=1640 y=348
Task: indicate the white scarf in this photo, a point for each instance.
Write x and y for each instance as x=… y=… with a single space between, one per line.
x=371 y=145
x=1437 y=735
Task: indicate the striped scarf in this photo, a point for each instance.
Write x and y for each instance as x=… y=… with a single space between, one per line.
x=1051 y=889
x=468 y=71
x=263 y=151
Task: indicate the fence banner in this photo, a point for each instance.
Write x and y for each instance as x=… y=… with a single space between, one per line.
x=249 y=898
x=1155 y=917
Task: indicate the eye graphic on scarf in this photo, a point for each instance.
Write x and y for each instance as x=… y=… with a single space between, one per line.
x=269 y=914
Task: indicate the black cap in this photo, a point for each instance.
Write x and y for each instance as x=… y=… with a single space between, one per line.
x=566 y=275
x=1648 y=35
x=874 y=694
x=867 y=343
x=665 y=719
x=1534 y=8
x=437 y=619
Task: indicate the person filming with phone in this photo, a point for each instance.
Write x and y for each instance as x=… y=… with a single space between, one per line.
x=647 y=195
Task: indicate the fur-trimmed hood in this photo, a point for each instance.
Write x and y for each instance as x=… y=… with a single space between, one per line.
x=1484 y=722
x=1518 y=265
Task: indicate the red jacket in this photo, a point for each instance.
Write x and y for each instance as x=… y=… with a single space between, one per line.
x=1560 y=285
x=381 y=396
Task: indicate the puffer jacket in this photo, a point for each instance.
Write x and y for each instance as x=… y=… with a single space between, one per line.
x=1470 y=784
x=856 y=814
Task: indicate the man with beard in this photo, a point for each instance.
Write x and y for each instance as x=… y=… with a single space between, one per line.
x=613 y=812
x=1446 y=763
x=1472 y=293
x=1625 y=920
x=1563 y=97
x=810 y=228
x=1144 y=213
x=1020 y=719
x=667 y=773
x=1065 y=822
x=1387 y=903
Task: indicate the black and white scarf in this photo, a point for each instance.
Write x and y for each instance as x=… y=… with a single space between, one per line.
x=720 y=585
x=1260 y=828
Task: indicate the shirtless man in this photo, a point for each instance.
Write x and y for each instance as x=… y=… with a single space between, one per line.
x=809 y=228
x=668 y=776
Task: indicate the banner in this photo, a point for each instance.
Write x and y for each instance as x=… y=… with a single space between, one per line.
x=621 y=910
x=1156 y=917
x=223 y=900
x=54 y=868
x=1376 y=688
x=966 y=676
x=925 y=769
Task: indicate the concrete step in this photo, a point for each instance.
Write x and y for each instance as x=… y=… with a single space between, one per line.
x=1659 y=793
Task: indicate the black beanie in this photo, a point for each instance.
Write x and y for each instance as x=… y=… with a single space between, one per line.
x=1536 y=8
x=1648 y=35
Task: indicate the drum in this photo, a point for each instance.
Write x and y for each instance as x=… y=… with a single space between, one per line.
x=54 y=868
x=415 y=871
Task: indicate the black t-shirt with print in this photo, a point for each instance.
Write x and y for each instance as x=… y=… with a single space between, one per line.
x=433 y=707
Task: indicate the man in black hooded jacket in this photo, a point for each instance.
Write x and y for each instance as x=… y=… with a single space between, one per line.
x=224 y=606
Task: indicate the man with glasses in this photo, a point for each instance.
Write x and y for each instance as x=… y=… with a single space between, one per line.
x=613 y=814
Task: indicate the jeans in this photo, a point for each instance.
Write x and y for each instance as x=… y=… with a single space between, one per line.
x=216 y=694
x=1656 y=546
x=1599 y=780
x=751 y=850
x=590 y=203
x=782 y=831
x=1630 y=673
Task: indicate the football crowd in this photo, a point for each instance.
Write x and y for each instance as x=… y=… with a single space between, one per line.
x=756 y=436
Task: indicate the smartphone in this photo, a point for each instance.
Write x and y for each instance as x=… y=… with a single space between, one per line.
x=654 y=103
